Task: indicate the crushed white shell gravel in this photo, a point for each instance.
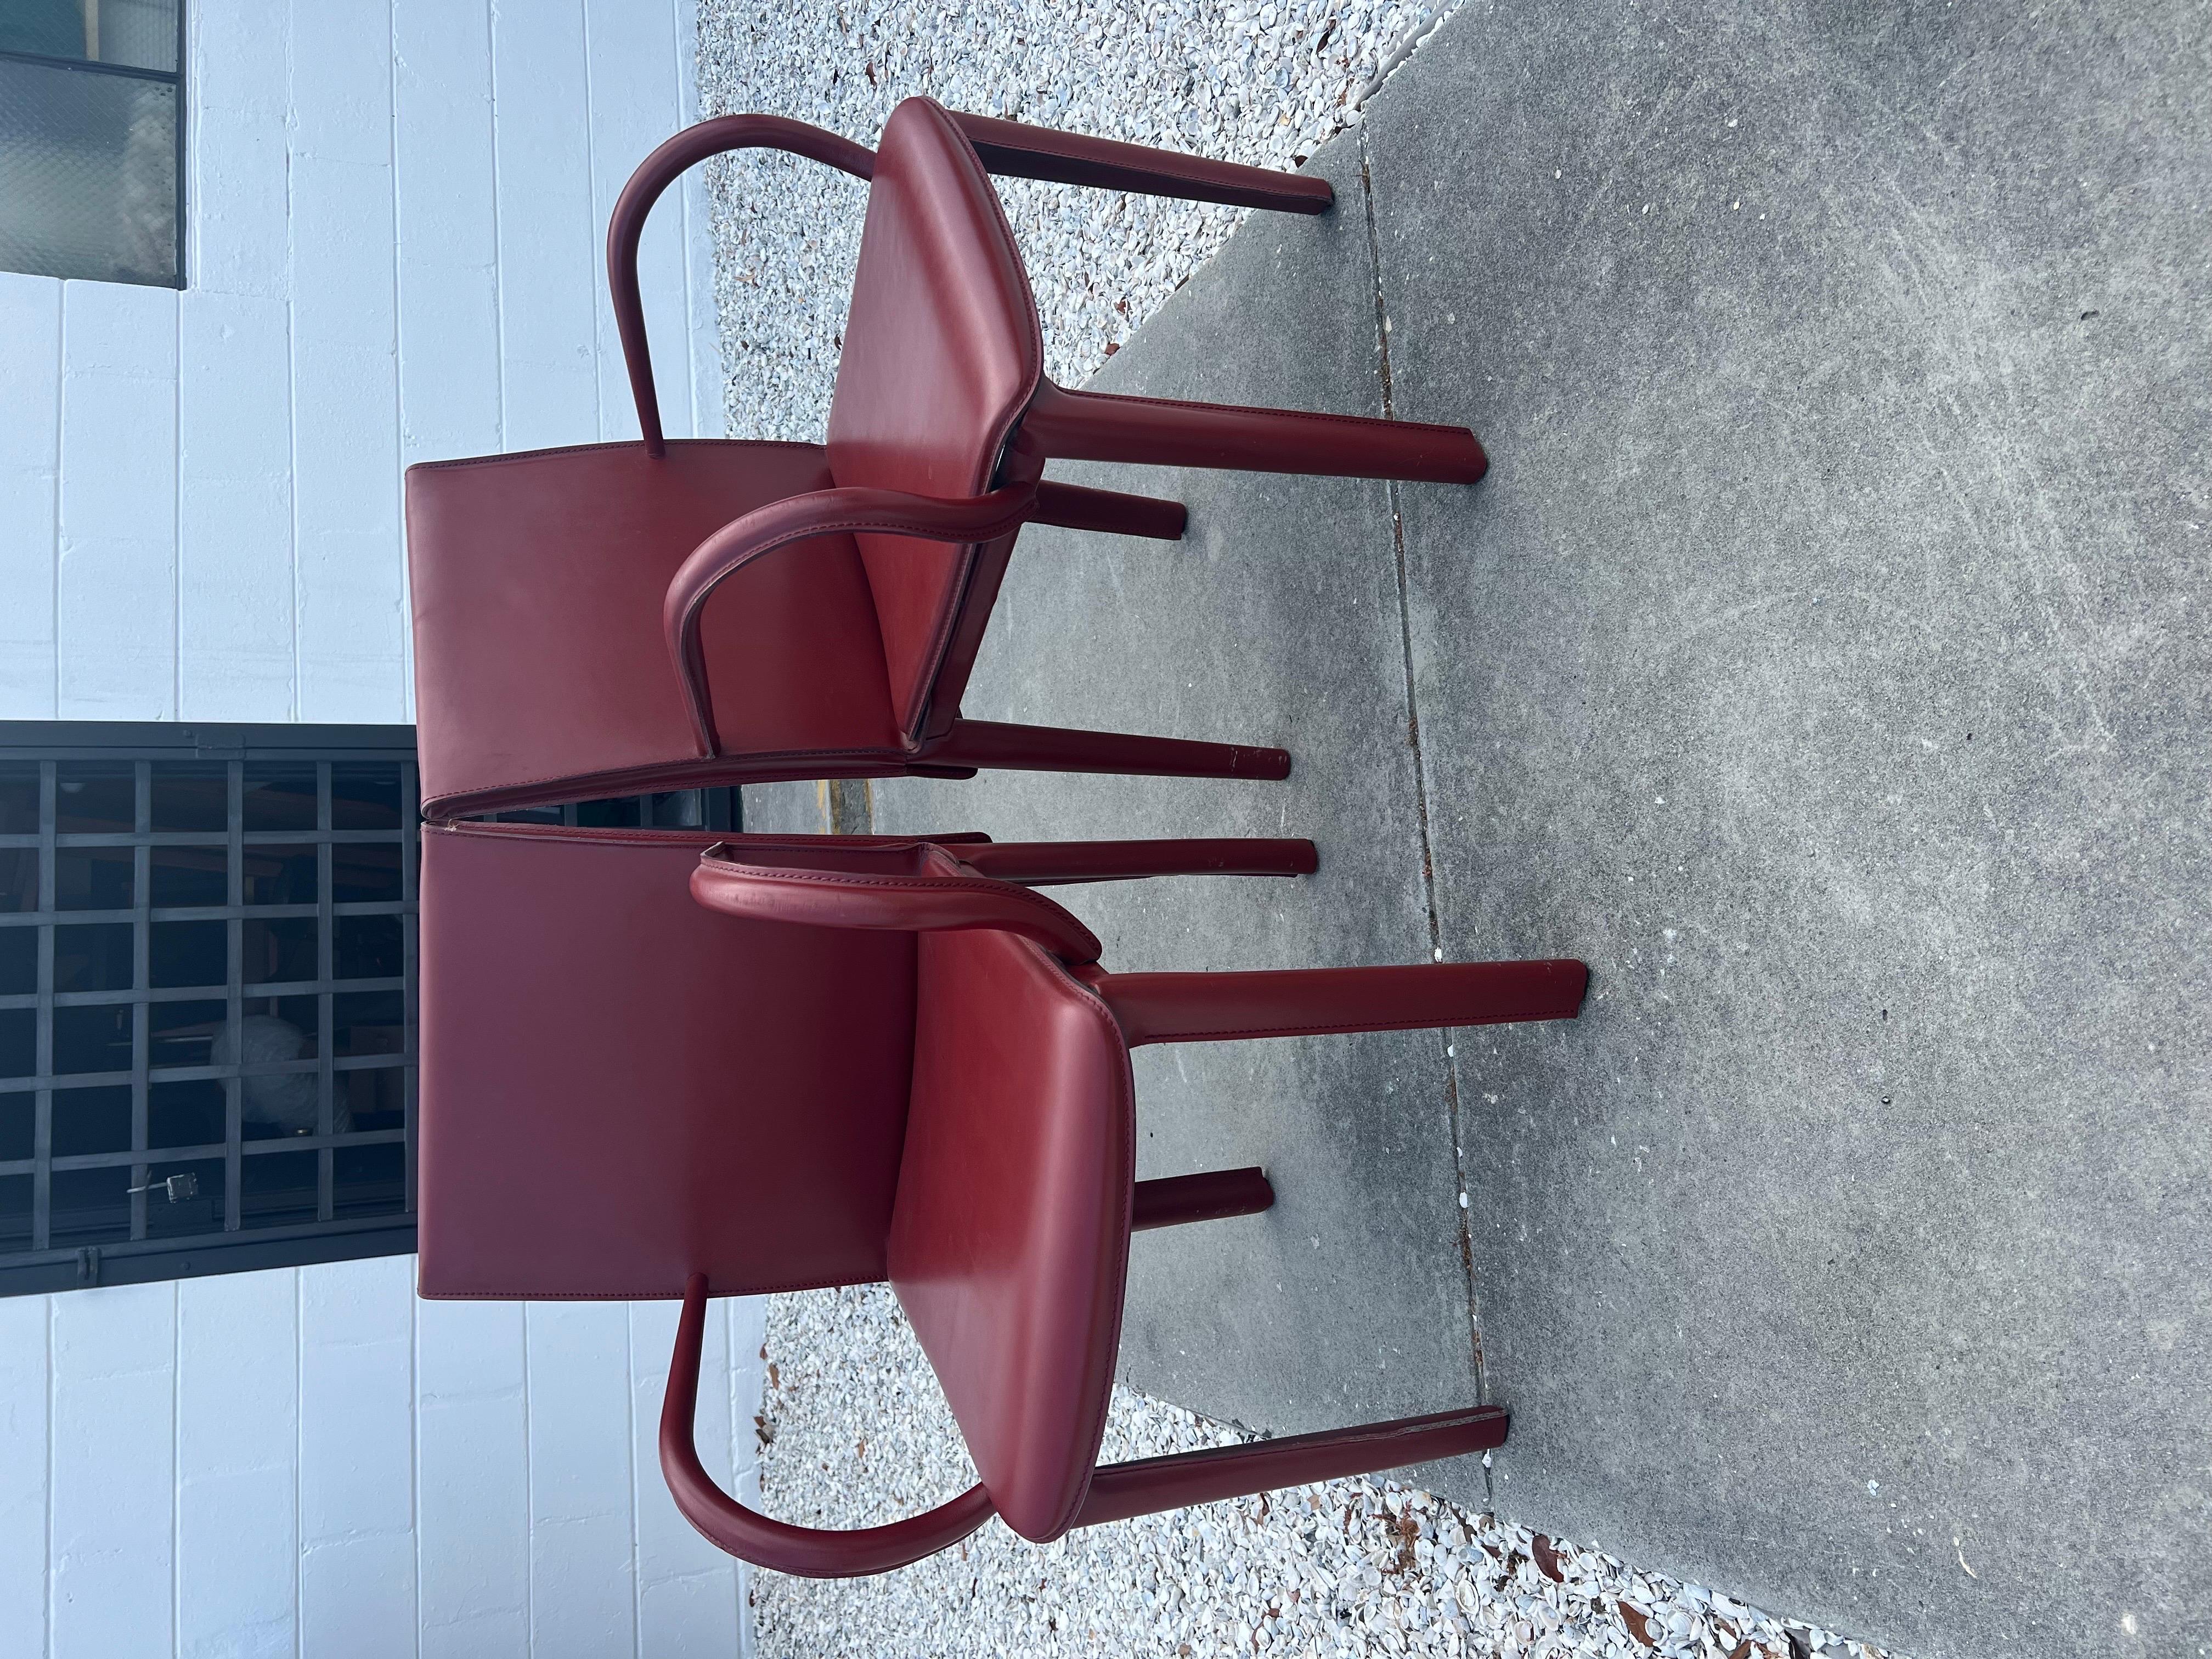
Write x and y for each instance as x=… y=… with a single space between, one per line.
x=854 y=1428
x=855 y=1432
x=1265 y=84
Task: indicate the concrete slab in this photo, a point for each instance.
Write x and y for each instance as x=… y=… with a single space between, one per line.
x=1275 y=620
x=1825 y=660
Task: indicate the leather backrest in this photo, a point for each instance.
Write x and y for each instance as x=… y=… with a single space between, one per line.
x=620 y=1088
x=539 y=660
x=941 y=355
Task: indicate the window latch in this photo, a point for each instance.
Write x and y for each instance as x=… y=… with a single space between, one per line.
x=177 y=1188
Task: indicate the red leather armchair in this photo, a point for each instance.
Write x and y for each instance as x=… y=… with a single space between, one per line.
x=838 y=1061
x=617 y=617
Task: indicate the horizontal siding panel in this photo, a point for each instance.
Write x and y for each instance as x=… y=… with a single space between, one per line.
x=114 y=1466
x=448 y=230
x=635 y=104
x=116 y=582
x=24 y=1389
x=235 y=218
x=548 y=270
x=234 y=593
x=238 y=1429
x=30 y=458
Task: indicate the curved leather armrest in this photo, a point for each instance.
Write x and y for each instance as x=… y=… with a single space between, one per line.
x=819 y=513
x=804 y=1552
x=653 y=176
x=897 y=898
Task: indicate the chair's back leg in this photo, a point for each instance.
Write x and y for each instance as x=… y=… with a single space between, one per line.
x=1310 y=1001
x=1119 y=1490
x=1015 y=151
x=1095 y=426
x=1215 y=1195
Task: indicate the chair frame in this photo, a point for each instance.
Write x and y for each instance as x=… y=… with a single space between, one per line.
x=1058 y=424
x=1148 y=1008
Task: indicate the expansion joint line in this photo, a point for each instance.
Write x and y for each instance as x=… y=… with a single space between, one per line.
x=1420 y=769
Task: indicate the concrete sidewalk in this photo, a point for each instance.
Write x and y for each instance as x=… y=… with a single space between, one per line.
x=1825 y=661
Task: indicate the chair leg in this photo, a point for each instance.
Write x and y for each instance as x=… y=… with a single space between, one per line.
x=1056 y=749
x=1015 y=151
x=1216 y=1195
x=1310 y=1001
x=1049 y=863
x=1119 y=1490
x=1095 y=426
x=1073 y=507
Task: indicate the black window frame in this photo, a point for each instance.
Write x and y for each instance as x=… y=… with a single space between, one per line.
x=175 y=79
x=43 y=1266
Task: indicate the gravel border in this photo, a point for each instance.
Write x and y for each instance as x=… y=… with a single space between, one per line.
x=855 y=1432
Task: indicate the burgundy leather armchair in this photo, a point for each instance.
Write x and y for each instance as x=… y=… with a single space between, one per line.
x=617 y=617
x=841 y=1061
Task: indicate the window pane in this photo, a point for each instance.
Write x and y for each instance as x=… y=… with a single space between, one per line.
x=90 y=1206
x=19 y=961
x=365 y=796
x=15 y=1212
x=190 y=953
x=96 y=798
x=191 y=795
x=277 y=1189
x=94 y=958
x=95 y=1039
x=88 y=174
x=280 y=874
x=19 y=879
x=92 y=878
x=19 y=797
x=368 y=947
x=281 y=951
x=369 y=1180
x=365 y=872
x=92 y=1121
x=184 y=877
x=18 y=1112
x=280 y=795
x=182 y=1033
x=373 y=1099
x=141 y=33
x=184 y=1114
x=369 y=1022
x=18 y=1040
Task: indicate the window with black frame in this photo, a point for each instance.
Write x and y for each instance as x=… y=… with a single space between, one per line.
x=208 y=993
x=92 y=130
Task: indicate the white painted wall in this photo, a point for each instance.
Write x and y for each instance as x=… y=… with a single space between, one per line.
x=393 y=230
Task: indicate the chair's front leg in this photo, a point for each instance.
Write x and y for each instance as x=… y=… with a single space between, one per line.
x=1069 y=158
